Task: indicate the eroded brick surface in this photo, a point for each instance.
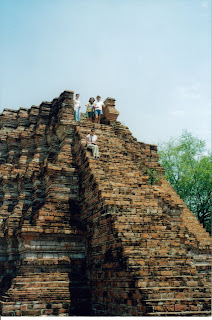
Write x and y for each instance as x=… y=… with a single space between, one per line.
x=85 y=236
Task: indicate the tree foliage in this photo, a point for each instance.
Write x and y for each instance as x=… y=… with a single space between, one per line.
x=188 y=169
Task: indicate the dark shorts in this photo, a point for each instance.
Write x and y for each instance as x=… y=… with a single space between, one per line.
x=89 y=114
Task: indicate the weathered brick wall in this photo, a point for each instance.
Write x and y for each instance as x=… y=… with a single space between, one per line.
x=82 y=236
x=43 y=243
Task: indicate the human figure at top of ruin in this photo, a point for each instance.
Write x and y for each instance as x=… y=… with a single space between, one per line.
x=91 y=140
x=98 y=109
x=90 y=109
x=77 y=107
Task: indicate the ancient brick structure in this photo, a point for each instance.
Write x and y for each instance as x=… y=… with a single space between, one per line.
x=85 y=236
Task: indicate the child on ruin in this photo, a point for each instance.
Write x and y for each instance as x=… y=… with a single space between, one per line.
x=91 y=139
x=77 y=107
x=90 y=109
x=98 y=109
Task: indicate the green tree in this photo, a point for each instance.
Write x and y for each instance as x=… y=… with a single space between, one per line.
x=188 y=168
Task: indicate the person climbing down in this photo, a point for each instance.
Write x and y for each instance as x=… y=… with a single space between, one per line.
x=90 y=108
x=77 y=107
x=91 y=139
x=98 y=109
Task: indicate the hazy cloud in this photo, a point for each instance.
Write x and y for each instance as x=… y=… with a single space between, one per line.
x=204 y=4
x=177 y=113
x=191 y=91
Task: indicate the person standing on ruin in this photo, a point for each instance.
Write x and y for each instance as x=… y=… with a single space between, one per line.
x=98 y=109
x=91 y=139
x=90 y=109
x=77 y=107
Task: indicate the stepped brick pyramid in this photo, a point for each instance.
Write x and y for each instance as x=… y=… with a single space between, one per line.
x=85 y=236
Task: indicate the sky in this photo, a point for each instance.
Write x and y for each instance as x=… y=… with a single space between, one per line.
x=152 y=56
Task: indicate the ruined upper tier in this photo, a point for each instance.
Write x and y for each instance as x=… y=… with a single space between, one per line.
x=81 y=236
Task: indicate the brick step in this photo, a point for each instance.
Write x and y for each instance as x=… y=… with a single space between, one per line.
x=35 y=302
x=120 y=173
x=38 y=284
x=27 y=277
x=64 y=219
x=152 y=232
x=147 y=219
x=161 y=283
x=163 y=270
x=142 y=259
x=34 y=280
x=150 y=253
x=169 y=260
x=181 y=276
x=49 y=273
x=164 y=260
x=148 y=281
x=152 y=213
x=28 y=290
x=202 y=262
x=172 y=278
x=50 y=284
x=116 y=195
x=206 y=269
x=172 y=305
x=153 y=222
x=42 y=278
x=59 y=296
x=169 y=263
x=179 y=313
x=46 y=223
x=156 y=243
x=170 y=301
x=201 y=256
x=32 y=313
x=51 y=229
x=156 y=251
x=154 y=235
x=50 y=297
x=173 y=292
x=27 y=310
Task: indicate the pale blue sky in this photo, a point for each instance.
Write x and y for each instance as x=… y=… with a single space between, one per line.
x=152 y=56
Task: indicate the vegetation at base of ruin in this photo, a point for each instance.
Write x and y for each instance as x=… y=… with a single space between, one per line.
x=188 y=168
x=153 y=176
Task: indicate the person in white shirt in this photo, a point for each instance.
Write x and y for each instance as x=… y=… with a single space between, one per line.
x=77 y=107
x=98 y=109
x=91 y=139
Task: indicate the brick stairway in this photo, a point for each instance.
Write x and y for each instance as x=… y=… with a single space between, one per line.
x=146 y=224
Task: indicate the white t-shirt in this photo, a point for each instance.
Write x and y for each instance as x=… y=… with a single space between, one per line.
x=98 y=105
x=91 y=138
x=76 y=104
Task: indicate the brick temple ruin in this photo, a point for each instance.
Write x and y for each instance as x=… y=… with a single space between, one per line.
x=82 y=236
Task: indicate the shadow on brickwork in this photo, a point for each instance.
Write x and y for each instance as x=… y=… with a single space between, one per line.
x=79 y=291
